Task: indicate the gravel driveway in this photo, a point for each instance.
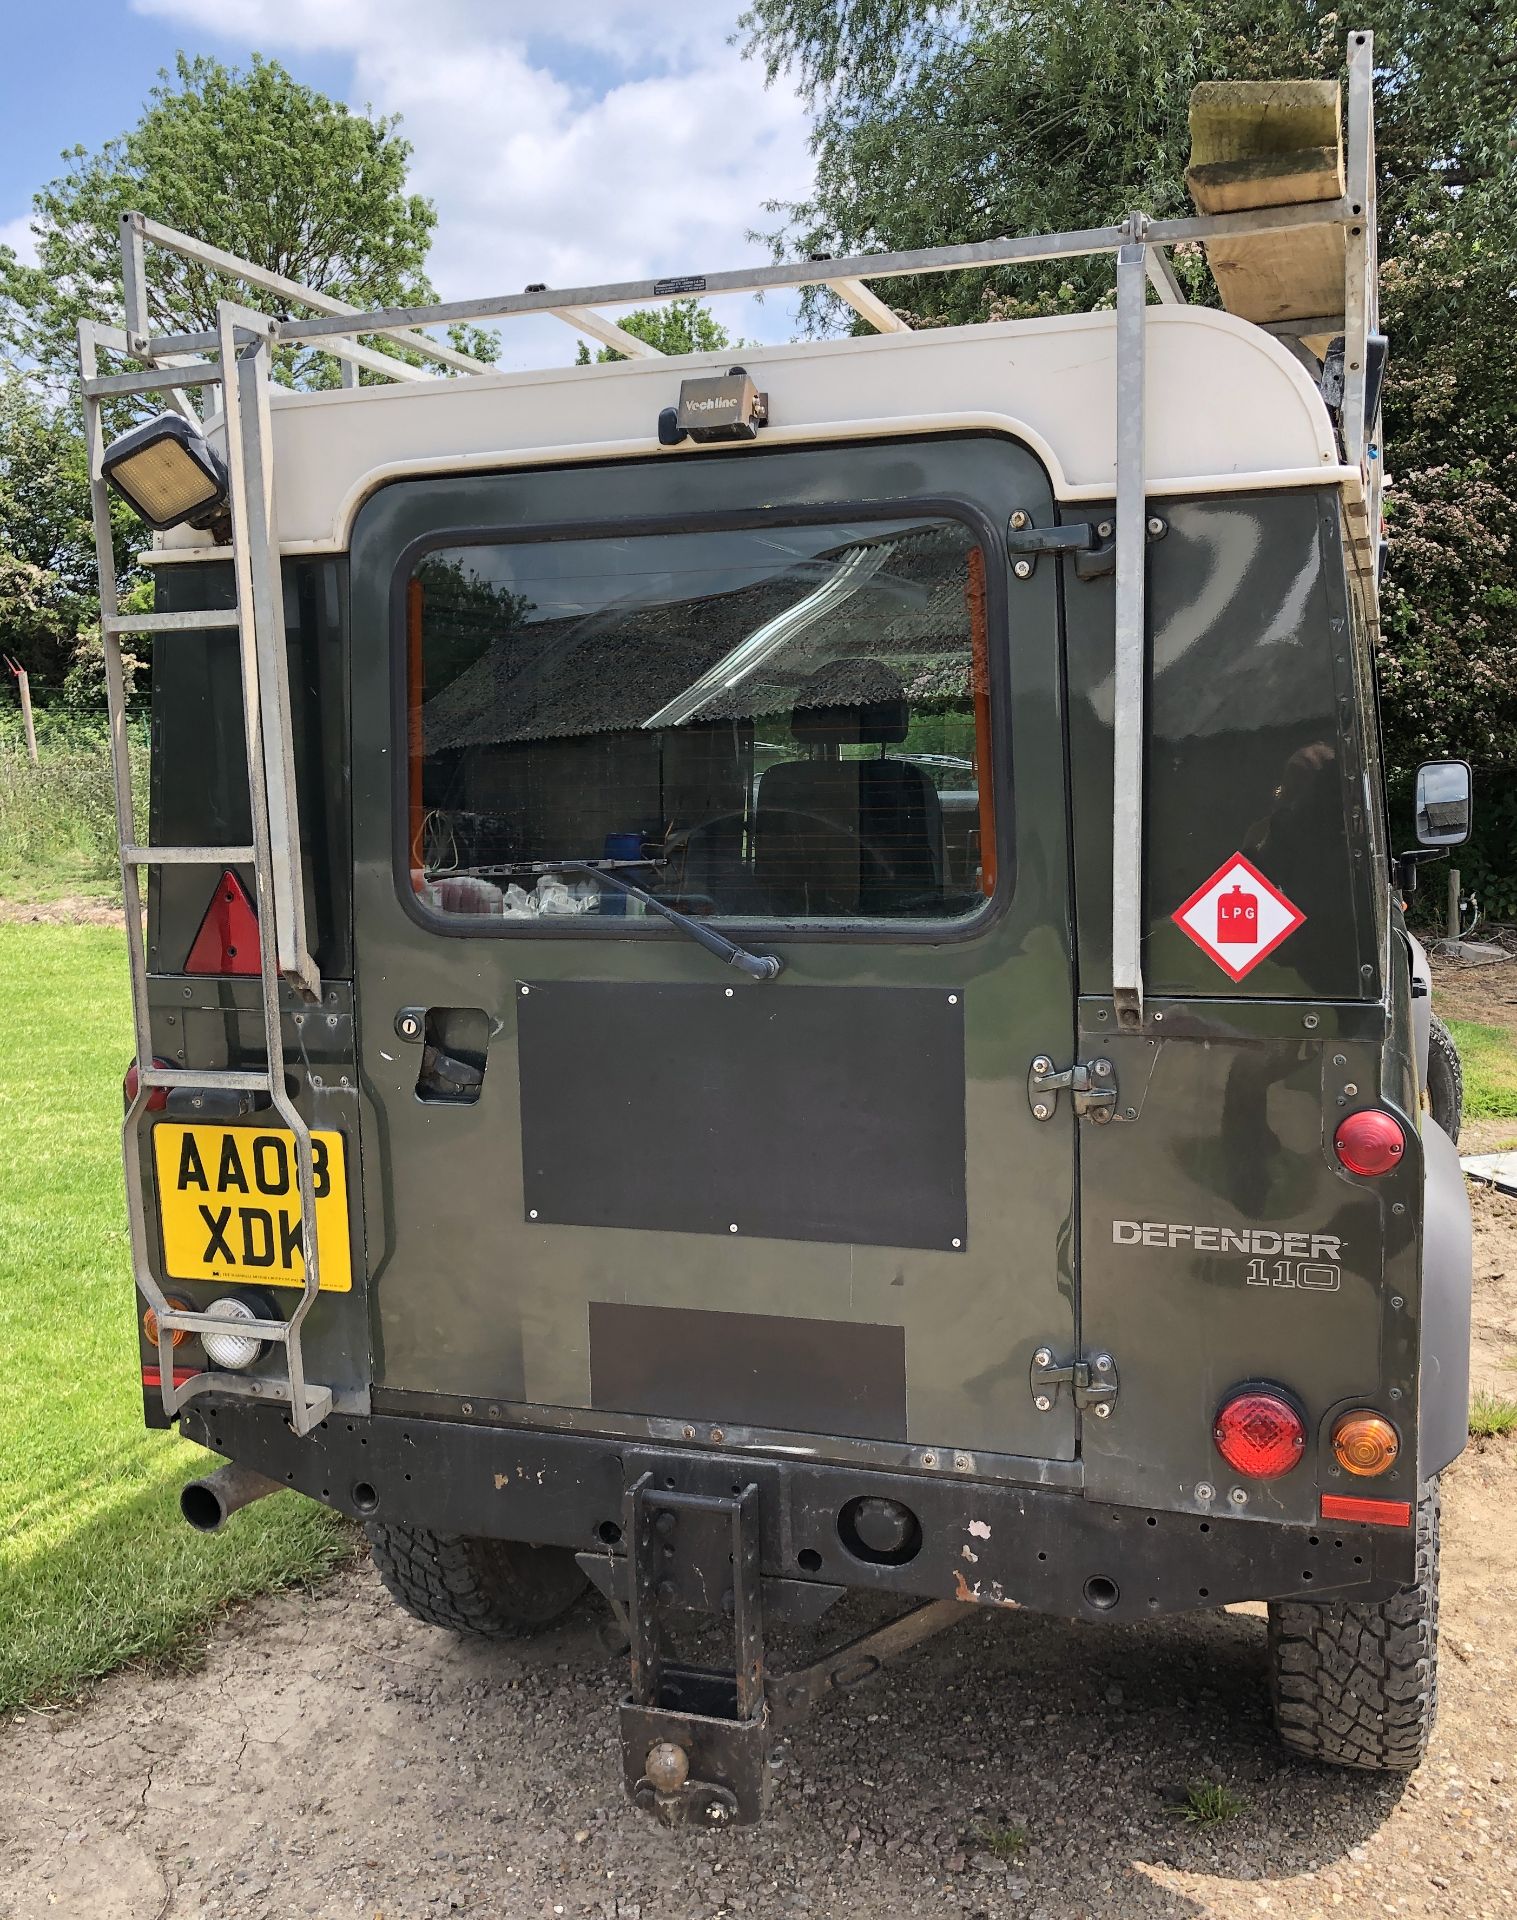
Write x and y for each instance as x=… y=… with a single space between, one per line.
x=331 y=1759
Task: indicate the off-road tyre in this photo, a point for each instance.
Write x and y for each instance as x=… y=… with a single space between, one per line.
x=497 y=1589
x=1445 y=1080
x=1357 y=1685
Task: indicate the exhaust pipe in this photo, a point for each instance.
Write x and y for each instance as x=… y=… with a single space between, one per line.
x=209 y=1503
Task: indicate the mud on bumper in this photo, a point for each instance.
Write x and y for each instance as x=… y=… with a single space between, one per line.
x=985 y=1543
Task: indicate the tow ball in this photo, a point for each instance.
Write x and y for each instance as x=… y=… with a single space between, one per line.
x=696 y=1741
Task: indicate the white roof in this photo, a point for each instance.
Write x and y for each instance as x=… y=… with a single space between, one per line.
x=1228 y=409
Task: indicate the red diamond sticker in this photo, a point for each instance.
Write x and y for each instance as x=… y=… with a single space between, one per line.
x=1238 y=917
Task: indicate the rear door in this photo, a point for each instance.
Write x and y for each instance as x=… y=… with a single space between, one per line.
x=1224 y=1242
x=607 y=1174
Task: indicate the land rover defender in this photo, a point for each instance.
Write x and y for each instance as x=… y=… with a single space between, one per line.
x=774 y=980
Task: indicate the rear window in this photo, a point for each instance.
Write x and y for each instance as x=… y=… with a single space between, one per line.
x=758 y=724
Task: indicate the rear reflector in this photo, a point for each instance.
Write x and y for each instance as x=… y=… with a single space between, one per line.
x=151 y=1377
x=1259 y=1434
x=228 y=938
x=1378 y=1513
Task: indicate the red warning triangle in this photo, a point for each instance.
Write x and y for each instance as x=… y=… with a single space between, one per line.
x=228 y=938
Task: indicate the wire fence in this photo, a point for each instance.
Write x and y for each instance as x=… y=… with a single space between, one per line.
x=58 y=818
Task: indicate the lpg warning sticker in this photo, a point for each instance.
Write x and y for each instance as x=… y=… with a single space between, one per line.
x=1238 y=917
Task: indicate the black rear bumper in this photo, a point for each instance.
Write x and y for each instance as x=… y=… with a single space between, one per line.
x=989 y=1543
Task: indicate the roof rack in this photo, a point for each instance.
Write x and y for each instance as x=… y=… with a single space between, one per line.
x=336 y=325
x=176 y=364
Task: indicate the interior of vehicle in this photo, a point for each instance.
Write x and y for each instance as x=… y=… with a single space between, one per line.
x=769 y=723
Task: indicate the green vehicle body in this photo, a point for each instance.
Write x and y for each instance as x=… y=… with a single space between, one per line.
x=471 y=1324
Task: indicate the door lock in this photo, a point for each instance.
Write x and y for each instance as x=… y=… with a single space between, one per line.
x=1091 y=1086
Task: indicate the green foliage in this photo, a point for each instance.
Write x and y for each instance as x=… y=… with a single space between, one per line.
x=1489 y=1058
x=96 y=1565
x=1209 y=1802
x=1487 y=868
x=58 y=819
x=1005 y=1842
x=1491 y=1416
x=941 y=121
x=48 y=594
x=944 y=123
x=681 y=326
x=465 y=615
x=252 y=162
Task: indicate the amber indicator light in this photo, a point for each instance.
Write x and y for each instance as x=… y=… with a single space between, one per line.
x=1365 y=1443
x=177 y=1335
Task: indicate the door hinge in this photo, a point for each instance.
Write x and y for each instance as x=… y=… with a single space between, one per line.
x=1093 y=543
x=1092 y=1382
x=1092 y=1086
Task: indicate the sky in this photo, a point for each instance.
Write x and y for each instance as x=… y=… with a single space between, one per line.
x=610 y=139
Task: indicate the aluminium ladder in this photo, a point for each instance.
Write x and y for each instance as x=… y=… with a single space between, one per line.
x=244 y=346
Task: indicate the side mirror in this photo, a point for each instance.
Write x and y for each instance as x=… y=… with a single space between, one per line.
x=1445 y=793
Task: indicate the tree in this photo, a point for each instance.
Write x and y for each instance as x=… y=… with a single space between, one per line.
x=49 y=600
x=252 y=162
x=257 y=165
x=683 y=326
x=951 y=120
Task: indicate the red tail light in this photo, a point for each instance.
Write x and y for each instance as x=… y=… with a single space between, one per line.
x=1370 y=1142
x=157 y=1100
x=227 y=941
x=1259 y=1434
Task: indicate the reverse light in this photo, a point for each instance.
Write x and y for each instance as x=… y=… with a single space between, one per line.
x=1370 y=1142
x=1259 y=1433
x=227 y=940
x=231 y=1349
x=1365 y=1443
x=177 y=1335
x=165 y=470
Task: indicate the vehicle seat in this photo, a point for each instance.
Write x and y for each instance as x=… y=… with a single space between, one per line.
x=462 y=893
x=857 y=836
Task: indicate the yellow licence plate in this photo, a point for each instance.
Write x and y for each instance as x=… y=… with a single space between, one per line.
x=229 y=1203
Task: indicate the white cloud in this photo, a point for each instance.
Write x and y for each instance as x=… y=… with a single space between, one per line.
x=17 y=234
x=611 y=140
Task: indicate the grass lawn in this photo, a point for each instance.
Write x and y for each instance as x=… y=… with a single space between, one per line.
x=1489 y=1058
x=58 y=819
x=96 y=1566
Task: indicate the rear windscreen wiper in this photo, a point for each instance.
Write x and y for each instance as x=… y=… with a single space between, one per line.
x=756 y=966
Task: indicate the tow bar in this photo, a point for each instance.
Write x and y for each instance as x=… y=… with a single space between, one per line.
x=696 y=1740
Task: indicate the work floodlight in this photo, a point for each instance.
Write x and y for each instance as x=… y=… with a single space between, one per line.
x=165 y=470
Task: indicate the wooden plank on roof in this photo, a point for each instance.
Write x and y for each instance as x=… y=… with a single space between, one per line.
x=1270 y=143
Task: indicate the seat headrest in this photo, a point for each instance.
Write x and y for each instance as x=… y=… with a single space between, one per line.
x=850 y=703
